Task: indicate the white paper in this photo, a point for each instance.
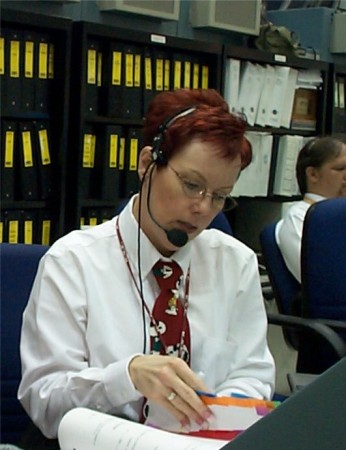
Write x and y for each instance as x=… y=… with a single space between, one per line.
x=85 y=429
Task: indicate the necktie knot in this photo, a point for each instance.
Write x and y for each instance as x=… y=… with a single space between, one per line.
x=167 y=274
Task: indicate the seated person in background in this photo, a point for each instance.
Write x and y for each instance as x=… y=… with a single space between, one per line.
x=321 y=174
x=93 y=334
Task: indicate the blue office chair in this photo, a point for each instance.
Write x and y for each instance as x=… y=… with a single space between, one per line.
x=286 y=288
x=220 y=221
x=18 y=269
x=323 y=269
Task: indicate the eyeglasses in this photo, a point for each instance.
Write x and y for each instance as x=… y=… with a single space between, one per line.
x=195 y=190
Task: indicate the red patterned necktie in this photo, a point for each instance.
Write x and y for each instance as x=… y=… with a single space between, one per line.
x=171 y=335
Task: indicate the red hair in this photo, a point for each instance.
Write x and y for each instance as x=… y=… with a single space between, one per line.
x=210 y=122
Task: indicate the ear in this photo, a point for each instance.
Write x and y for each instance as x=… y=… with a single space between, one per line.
x=145 y=158
x=311 y=174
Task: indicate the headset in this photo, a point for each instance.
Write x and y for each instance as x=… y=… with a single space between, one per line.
x=157 y=152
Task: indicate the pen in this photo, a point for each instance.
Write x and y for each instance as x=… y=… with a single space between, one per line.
x=205 y=394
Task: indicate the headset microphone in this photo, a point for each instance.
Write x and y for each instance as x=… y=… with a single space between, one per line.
x=175 y=236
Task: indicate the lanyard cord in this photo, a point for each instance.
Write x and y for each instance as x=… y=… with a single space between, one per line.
x=140 y=293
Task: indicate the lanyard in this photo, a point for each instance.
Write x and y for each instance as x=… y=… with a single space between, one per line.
x=185 y=299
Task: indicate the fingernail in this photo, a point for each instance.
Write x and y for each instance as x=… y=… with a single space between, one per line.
x=185 y=423
x=207 y=414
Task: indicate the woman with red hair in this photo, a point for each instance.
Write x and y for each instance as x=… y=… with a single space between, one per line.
x=93 y=333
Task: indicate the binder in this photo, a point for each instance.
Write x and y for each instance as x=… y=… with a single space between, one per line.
x=45 y=227
x=278 y=96
x=28 y=226
x=3 y=68
x=232 y=80
x=28 y=177
x=93 y=74
x=187 y=72
x=87 y=162
x=289 y=98
x=132 y=88
x=133 y=147
x=285 y=182
x=122 y=168
x=11 y=226
x=28 y=71
x=265 y=97
x=251 y=81
x=9 y=138
x=105 y=214
x=44 y=159
x=177 y=71
x=13 y=49
x=42 y=60
x=92 y=217
x=109 y=162
x=114 y=80
x=196 y=72
x=205 y=75
x=304 y=113
x=148 y=88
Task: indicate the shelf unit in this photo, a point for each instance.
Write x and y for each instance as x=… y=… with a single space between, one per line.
x=336 y=120
x=115 y=73
x=34 y=121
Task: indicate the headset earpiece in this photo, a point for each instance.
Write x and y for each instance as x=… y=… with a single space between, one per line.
x=157 y=152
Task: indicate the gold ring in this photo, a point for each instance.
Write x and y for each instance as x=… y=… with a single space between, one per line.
x=171 y=396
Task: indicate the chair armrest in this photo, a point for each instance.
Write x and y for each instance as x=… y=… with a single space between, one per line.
x=318 y=326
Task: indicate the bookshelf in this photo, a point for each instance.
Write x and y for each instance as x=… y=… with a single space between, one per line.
x=336 y=123
x=275 y=140
x=115 y=74
x=35 y=63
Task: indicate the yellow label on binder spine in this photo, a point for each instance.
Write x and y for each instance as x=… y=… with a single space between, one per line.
x=205 y=77
x=167 y=81
x=9 y=149
x=2 y=56
x=28 y=232
x=46 y=232
x=88 y=150
x=14 y=59
x=113 y=150
x=1 y=232
x=187 y=74
x=44 y=147
x=27 y=149
x=29 y=60
x=177 y=75
x=195 y=76
x=43 y=61
x=116 y=69
x=159 y=75
x=93 y=221
x=133 y=154
x=137 y=80
x=129 y=70
x=91 y=66
x=148 y=74
x=13 y=228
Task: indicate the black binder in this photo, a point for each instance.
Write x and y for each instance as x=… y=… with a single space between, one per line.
x=11 y=220
x=3 y=69
x=177 y=66
x=43 y=67
x=108 y=162
x=28 y=73
x=312 y=419
x=13 y=49
x=132 y=82
x=45 y=171
x=132 y=150
x=28 y=177
x=113 y=91
x=28 y=226
x=92 y=77
x=45 y=227
x=9 y=139
x=148 y=88
x=87 y=161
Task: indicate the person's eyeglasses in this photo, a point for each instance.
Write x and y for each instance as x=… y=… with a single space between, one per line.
x=195 y=190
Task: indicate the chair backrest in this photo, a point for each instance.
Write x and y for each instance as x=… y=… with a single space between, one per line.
x=220 y=221
x=323 y=260
x=18 y=269
x=285 y=287
x=323 y=268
